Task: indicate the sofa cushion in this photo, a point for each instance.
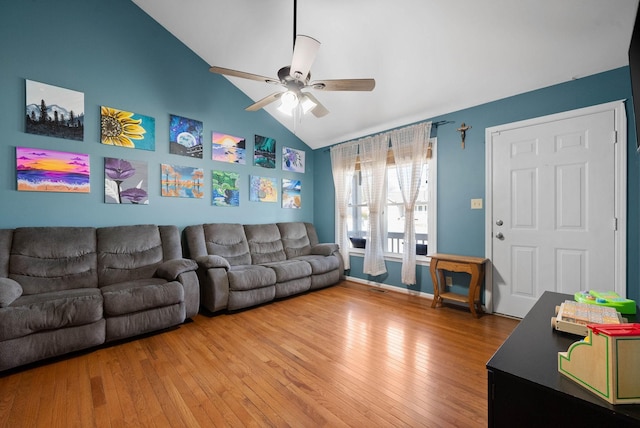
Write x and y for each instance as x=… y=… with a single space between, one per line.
x=128 y=253
x=50 y=311
x=9 y=291
x=265 y=244
x=45 y=259
x=229 y=241
x=321 y=264
x=249 y=277
x=139 y=295
x=288 y=270
x=294 y=239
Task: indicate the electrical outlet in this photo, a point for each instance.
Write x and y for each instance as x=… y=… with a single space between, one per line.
x=476 y=204
x=448 y=281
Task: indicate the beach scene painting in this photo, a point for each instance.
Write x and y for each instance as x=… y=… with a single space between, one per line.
x=291 y=193
x=125 y=182
x=224 y=189
x=185 y=136
x=127 y=129
x=292 y=160
x=182 y=181
x=41 y=170
x=53 y=111
x=227 y=148
x=264 y=152
x=263 y=189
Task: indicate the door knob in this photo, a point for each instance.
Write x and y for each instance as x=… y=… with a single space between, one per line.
x=499 y=223
x=500 y=236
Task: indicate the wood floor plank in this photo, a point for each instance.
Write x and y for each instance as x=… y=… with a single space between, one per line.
x=344 y=356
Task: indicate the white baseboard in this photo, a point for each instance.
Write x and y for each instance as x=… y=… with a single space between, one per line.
x=390 y=287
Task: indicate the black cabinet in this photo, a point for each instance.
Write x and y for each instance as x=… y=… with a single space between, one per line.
x=525 y=388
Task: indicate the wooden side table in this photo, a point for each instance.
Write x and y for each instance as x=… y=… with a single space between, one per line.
x=454 y=263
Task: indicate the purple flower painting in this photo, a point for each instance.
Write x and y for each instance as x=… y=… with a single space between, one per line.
x=125 y=182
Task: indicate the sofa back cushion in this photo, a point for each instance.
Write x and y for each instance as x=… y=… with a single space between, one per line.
x=295 y=239
x=227 y=240
x=45 y=259
x=265 y=244
x=127 y=253
x=6 y=238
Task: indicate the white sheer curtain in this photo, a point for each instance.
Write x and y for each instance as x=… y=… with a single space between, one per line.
x=409 y=147
x=373 y=166
x=343 y=164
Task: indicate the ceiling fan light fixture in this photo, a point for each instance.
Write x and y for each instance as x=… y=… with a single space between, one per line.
x=307 y=104
x=289 y=101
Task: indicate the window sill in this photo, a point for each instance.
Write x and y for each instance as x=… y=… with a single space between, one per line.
x=392 y=257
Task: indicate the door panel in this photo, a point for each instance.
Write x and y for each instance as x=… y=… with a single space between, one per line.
x=553 y=209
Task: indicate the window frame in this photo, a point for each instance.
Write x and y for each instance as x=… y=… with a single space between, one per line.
x=431 y=214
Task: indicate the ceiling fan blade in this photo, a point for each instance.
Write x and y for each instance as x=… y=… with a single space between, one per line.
x=344 y=85
x=304 y=53
x=242 y=74
x=319 y=110
x=263 y=102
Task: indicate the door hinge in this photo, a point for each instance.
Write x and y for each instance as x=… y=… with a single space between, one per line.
x=615 y=137
x=615 y=223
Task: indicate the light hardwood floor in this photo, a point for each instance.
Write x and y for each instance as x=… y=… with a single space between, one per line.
x=342 y=356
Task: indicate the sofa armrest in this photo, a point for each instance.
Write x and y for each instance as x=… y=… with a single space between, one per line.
x=10 y=290
x=171 y=269
x=324 y=249
x=209 y=262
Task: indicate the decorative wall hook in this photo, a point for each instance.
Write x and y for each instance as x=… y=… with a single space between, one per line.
x=463 y=132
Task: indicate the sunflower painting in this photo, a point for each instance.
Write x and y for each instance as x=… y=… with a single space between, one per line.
x=127 y=129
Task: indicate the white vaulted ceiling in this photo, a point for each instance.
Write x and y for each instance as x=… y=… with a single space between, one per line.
x=428 y=57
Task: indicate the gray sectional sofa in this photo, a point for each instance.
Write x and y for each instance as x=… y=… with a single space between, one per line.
x=246 y=265
x=64 y=289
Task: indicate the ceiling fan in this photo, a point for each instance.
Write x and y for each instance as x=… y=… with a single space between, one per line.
x=297 y=77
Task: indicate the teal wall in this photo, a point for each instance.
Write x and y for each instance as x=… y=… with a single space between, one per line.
x=119 y=57
x=461 y=173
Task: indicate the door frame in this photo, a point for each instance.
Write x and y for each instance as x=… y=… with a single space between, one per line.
x=620 y=209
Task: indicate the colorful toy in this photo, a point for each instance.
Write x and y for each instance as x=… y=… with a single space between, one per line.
x=573 y=317
x=607 y=363
x=606 y=298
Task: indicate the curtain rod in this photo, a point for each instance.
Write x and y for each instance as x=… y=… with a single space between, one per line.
x=434 y=125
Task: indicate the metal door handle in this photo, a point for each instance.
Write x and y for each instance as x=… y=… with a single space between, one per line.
x=500 y=236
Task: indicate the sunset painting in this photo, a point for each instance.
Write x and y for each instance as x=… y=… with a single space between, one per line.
x=227 y=148
x=41 y=170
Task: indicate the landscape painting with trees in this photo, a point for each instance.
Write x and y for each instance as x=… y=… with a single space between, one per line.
x=224 y=189
x=54 y=111
x=182 y=181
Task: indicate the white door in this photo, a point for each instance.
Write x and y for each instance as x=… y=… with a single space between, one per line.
x=554 y=210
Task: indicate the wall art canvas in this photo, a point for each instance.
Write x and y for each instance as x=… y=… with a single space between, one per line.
x=182 y=181
x=263 y=189
x=126 y=182
x=127 y=129
x=224 y=189
x=264 y=152
x=291 y=193
x=227 y=148
x=292 y=160
x=40 y=170
x=185 y=136
x=53 y=111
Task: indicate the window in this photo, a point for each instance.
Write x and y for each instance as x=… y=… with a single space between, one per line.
x=358 y=213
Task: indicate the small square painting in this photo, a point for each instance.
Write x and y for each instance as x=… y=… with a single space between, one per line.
x=185 y=136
